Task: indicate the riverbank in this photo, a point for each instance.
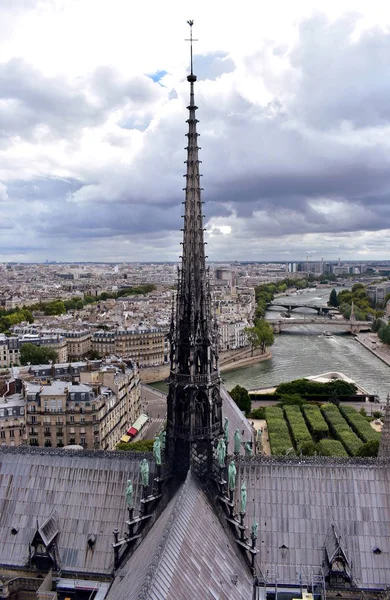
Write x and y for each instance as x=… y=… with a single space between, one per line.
x=244 y=359
x=375 y=346
x=229 y=361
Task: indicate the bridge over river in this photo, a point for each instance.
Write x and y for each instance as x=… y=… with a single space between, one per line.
x=320 y=309
x=352 y=326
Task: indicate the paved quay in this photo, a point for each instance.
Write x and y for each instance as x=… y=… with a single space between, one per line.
x=374 y=345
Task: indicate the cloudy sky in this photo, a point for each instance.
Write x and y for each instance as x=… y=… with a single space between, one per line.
x=294 y=117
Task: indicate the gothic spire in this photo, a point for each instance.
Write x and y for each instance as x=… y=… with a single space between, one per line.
x=384 y=444
x=194 y=329
x=194 y=402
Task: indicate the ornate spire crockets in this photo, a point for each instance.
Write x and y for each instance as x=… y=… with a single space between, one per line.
x=384 y=444
x=194 y=403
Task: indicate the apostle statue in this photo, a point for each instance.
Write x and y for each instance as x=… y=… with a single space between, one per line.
x=248 y=449
x=221 y=452
x=157 y=451
x=237 y=441
x=243 y=498
x=232 y=471
x=129 y=494
x=226 y=430
x=144 y=468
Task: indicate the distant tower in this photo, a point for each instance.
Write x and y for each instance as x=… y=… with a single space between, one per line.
x=194 y=402
x=384 y=445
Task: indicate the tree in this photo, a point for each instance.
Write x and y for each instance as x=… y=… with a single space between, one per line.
x=140 y=446
x=333 y=300
x=36 y=355
x=261 y=335
x=242 y=398
x=376 y=325
x=369 y=449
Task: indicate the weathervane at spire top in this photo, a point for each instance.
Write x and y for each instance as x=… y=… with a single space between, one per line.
x=190 y=23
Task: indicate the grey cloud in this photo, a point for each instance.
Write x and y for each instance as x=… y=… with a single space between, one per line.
x=342 y=79
x=275 y=165
x=31 y=99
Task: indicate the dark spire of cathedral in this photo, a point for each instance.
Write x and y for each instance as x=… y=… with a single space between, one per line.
x=194 y=404
x=384 y=444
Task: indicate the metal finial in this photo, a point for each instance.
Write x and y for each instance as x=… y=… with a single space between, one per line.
x=191 y=39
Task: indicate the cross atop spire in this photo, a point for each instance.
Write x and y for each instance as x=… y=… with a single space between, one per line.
x=191 y=77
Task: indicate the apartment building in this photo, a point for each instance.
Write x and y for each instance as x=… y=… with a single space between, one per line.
x=92 y=415
x=12 y=415
x=79 y=344
x=145 y=346
x=115 y=417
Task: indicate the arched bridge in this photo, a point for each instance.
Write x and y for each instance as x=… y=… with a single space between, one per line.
x=321 y=310
x=353 y=327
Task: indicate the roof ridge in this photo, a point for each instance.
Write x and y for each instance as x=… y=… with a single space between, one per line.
x=166 y=534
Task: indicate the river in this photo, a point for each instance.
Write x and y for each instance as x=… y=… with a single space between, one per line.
x=302 y=351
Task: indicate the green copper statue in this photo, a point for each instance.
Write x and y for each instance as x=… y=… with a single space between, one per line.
x=243 y=498
x=157 y=451
x=144 y=468
x=129 y=494
x=255 y=528
x=163 y=436
x=226 y=430
x=232 y=471
x=237 y=441
x=221 y=452
x=248 y=449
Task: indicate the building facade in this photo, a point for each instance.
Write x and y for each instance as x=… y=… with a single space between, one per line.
x=79 y=344
x=94 y=414
x=145 y=346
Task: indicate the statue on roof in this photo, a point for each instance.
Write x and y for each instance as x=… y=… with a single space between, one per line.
x=157 y=451
x=129 y=494
x=226 y=430
x=221 y=452
x=255 y=529
x=248 y=449
x=243 y=498
x=232 y=471
x=163 y=436
x=237 y=441
x=144 y=468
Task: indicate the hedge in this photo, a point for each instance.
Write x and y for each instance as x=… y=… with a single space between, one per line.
x=297 y=425
x=315 y=421
x=341 y=430
x=331 y=448
x=359 y=424
x=279 y=437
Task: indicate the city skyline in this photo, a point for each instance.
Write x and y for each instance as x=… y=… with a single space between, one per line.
x=293 y=124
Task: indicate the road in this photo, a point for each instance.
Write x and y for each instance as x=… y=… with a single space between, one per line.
x=154 y=404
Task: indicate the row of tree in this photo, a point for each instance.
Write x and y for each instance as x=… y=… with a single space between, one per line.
x=362 y=304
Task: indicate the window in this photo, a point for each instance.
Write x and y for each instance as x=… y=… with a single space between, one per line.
x=11 y=433
x=83 y=441
x=2 y=434
x=71 y=418
x=33 y=419
x=1 y=412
